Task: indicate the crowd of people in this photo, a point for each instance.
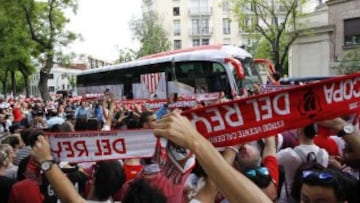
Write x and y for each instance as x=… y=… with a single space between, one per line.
x=315 y=163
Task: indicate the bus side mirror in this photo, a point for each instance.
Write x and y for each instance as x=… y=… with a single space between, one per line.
x=268 y=63
x=239 y=70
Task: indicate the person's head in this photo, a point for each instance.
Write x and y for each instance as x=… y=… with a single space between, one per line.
x=4 y=156
x=13 y=141
x=147 y=120
x=80 y=124
x=67 y=127
x=108 y=178
x=140 y=191
x=83 y=104
x=93 y=124
x=307 y=132
x=276 y=76
x=10 y=151
x=33 y=136
x=52 y=112
x=322 y=185
x=248 y=157
x=25 y=134
x=261 y=177
x=56 y=128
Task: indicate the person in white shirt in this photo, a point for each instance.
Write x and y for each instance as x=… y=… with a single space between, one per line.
x=54 y=119
x=292 y=159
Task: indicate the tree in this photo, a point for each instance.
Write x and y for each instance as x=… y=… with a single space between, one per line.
x=126 y=55
x=149 y=32
x=16 y=48
x=350 y=63
x=46 y=24
x=274 y=22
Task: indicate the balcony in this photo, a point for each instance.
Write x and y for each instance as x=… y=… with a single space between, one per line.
x=196 y=32
x=200 y=11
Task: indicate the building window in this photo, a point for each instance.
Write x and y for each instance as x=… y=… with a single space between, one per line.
x=196 y=42
x=200 y=26
x=51 y=89
x=226 y=26
x=177 y=44
x=352 y=32
x=51 y=76
x=226 y=6
x=177 y=28
x=176 y=11
x=205 y=41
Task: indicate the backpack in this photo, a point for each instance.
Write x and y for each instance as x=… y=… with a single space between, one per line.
x=312 y=161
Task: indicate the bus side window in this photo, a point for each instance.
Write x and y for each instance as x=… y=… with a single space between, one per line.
x=220 y=80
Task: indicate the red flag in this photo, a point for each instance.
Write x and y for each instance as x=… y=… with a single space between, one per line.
x=151 y=81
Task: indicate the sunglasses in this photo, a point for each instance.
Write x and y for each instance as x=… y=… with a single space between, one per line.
x=324 y=176
x=262 y=170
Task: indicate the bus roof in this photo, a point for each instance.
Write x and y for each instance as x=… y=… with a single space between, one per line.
x=210 y=53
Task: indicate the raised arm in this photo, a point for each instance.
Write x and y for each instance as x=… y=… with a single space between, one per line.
x=208 y=193
x=57 y=179
x=352 y=139
x=235 y=186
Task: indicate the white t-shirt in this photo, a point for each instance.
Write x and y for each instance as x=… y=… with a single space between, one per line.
x=291 y=161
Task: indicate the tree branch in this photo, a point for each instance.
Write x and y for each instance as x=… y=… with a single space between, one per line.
x=50 y=18
x=263 y=18
x=31 y=28
x=290 y=11
x=286 y=49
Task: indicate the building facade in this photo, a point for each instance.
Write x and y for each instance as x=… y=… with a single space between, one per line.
x=60 y=79
x=332 y=30
x=198 y=22
x=345 y=16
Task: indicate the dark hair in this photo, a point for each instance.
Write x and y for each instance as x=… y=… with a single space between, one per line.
x=296 y=187
x=14 y=127
x=345 y=187
x=92 y=124
x=336 y=184
x=144 y=118
x=109 y=178
x=34 y=134
x=25 y=134
x=56 y=128
x=276 y=76
x=351 y=186
x=12 y=141
x=81 y=124
x=132 y=122
x=141 y=191
x=309 y=131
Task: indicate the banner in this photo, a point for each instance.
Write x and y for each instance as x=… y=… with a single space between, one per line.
x=102 y=145
x=226 y=124
x=264 y=115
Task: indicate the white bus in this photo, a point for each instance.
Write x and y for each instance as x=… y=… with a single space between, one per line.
x=208 y=69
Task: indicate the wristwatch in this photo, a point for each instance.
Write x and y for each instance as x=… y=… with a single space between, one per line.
x=46 y=165
x=347 y=129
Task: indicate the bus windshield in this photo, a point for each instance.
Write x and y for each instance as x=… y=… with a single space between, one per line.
x=252 y=75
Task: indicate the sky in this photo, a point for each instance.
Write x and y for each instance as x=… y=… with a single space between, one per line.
x=104 y=26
